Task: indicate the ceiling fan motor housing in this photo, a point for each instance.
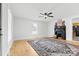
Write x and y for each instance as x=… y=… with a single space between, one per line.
x=45 y=13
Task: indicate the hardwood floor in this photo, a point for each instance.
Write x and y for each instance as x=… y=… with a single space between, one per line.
x=22 y=48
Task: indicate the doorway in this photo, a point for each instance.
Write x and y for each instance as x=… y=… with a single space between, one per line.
x=76 y=31
x=75 y=24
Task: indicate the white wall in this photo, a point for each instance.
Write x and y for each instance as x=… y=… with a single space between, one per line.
x=10 y=26
x=6 y=29
x=68 y=22
x=10 y=30
x=76 y=19
x=23 y=28
x=51 y=28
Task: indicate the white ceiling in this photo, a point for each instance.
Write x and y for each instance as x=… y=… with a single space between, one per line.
x=32 y=10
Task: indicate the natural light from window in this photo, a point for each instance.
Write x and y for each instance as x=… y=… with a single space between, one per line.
x=35 y=28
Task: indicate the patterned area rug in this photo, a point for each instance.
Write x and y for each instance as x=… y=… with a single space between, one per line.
x=48 y=47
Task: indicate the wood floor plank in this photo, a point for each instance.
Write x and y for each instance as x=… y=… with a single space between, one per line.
x=22 y=48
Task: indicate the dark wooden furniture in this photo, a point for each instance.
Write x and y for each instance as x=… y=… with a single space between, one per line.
x=76 y=30
x=60 y=31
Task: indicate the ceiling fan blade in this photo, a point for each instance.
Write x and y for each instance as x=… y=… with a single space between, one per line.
x=50 y=16
x=50 y=13
x=41 y=14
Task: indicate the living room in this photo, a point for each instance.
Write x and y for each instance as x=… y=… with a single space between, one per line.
x=39 y=29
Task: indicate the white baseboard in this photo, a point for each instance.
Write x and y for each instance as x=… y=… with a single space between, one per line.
x=34 y=37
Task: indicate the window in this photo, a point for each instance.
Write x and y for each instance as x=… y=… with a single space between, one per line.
x=35 y=28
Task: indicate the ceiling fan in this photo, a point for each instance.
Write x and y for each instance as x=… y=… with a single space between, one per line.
x=46 y=15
